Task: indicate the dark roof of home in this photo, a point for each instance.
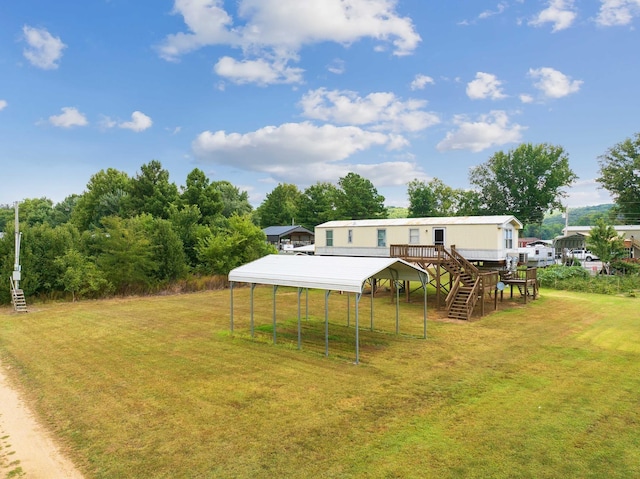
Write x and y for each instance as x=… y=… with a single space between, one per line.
x=285 y=230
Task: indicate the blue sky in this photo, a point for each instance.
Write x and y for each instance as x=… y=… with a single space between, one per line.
x=261 y=92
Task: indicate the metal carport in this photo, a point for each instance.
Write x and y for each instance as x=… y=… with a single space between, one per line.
x=329 y=273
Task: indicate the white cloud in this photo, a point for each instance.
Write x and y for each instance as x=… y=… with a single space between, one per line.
x=139 y=122
x=553 y=83
x=561 y=13
x=291 y=149
x=381 y=110
x=43 y=50
x=617 y=12
x=278 y=29
x=337 y=67
x=526 y=98
x=490 y=13
x=257 y=71
x=421 y=81
x=484 y=86
x=586 y=193
x=68 y=118
x=490 y=130
x=3 y=104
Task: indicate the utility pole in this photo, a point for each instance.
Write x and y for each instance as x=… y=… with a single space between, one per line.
x=17 y=274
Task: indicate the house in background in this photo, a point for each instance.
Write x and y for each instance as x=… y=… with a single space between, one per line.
x=288 y=237
x=575 y=237
x=476 y=238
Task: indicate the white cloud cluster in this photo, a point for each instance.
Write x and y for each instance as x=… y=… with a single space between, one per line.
x=43 y=49
x=139 y=122
x=3 y=104
x=380 y=110
x=489 y=130
x=274 y=31
x=69 y=117
x=560 y=13
x=421 y=81
x=484 y=86
x=617 y=12
x=552 y=83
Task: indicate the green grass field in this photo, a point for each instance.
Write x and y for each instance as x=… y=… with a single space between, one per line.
x=158 y=388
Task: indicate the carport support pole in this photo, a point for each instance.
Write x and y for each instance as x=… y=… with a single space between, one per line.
x=326 y=322
x=253 y=286
x=358 y=296
x=424 y=280
x=307 y=303
x=275 y=288
x=299 y=325
x=372 y=285
x=348 y=309
x=397 y=309
x=231 y=320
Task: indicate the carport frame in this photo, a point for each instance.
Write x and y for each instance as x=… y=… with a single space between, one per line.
x=328 y=273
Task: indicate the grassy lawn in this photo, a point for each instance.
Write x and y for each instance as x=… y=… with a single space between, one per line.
x=158 y=388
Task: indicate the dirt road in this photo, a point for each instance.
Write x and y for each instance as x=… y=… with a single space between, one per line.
x=26 y=449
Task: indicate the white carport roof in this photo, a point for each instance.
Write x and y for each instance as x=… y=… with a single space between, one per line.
x=333 y=273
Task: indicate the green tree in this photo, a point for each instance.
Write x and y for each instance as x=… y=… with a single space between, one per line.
x=280 y=207
x=234 y=201
x=151 y=191
x=605 y=242
x=105 y=196
x=124 y=254
x=201 y=193
x=620 y=175
x=239 y=243
x=36 y=211
x=525 y=182
x=318 y=205
x=63 y=210
x=421 y=199
x=80 y=276
x=358 y=199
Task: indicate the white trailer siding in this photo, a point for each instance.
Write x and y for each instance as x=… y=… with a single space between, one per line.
x=489 y=238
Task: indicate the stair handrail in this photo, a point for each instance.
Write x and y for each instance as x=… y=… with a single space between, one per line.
x=452 y=293
x=468 y=266
x=472 y=299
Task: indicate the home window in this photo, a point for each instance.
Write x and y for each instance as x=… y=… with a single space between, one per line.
x=350 y=236
x=508 y=238
x=414 y=236
x=438 y=236
x=382 y=238
x=329 y=237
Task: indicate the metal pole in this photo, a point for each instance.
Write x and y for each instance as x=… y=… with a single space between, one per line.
x=397 y=308
x=253 y=286
x=231 y=292
x=372 y=284
x=299 y=325
x=348 y=310
x=326 y=322
x=275 y=288
x=307 y=303
x=358 y=295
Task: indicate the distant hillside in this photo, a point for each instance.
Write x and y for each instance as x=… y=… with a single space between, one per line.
x=554 y=222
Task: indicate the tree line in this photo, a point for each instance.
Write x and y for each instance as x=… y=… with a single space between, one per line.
x=128 y=234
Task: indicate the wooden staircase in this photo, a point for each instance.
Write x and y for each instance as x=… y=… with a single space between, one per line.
x=18 y=299
x=465 y=291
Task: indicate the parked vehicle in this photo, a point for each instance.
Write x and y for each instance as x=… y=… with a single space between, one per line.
x=583 y=255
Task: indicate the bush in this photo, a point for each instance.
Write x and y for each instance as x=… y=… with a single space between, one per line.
x=576 y=278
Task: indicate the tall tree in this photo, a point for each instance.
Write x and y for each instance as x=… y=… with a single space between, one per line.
x=151 y=191
x=201 y=193
x=280 y=207
x=620 y=175
x=421 y=200
x=234 y=201
x=525 y=182
x=318 y=204
x=358 y=199
x=103 y=197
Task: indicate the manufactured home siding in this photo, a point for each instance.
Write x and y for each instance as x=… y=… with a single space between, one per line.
x=480 y=238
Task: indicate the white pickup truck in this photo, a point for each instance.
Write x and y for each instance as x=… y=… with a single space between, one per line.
x=583 y=255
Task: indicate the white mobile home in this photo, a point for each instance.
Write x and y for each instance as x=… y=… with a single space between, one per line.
x=477 y=238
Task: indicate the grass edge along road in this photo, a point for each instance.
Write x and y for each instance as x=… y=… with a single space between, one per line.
x=157 y=387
